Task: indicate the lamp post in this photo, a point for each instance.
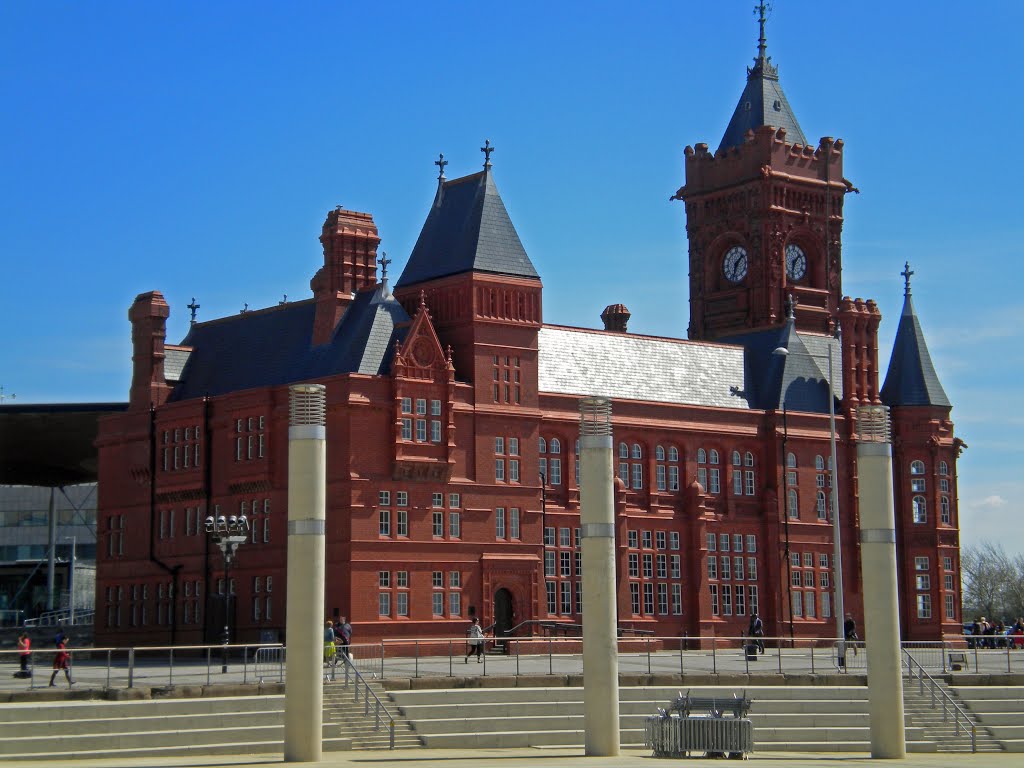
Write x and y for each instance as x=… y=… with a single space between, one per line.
x=227 y=533
x=837 y=555
x=71 y=578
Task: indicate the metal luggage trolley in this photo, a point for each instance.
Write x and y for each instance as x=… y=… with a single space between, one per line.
x=716 y=727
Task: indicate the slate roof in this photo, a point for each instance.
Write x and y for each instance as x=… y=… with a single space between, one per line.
x=576 y=361
x=467 y=229
x=762 y=103
x=273 y=347
x=797 y=381
x=174 y=362
x=911 y=378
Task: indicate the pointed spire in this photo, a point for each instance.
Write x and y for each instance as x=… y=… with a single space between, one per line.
x=762 y=101
x=911 y=378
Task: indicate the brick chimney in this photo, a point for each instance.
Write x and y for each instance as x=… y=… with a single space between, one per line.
x=350 y=244
x=615 y=317
x=148 y=316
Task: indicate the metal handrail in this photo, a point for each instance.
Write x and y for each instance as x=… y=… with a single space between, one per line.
x=367 y=692
x=948 y=702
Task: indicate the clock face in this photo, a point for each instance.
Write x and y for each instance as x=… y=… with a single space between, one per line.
x=734 y=266
x=796 y=262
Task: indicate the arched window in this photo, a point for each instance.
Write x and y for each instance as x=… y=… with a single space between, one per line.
x=702 y=457
x=748 y=459
x=944 y=509
x=943 y=468
x=714 y=456
x=736 y=462
x=659 y=453
x=822 y=510
x=917 y=467
x=673 y=453
x=623 y=451
x=792 y=504
x=542 y=445
x=791 y=461
x=667 y=478
x=918 y=482
x=554 y=446
x=920 y=510
x=637 y=453
x=819 y=463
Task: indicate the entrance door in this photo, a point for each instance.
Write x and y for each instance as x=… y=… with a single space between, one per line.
x=504 y=613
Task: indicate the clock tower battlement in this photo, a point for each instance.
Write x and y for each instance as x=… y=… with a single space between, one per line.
x=764 y=218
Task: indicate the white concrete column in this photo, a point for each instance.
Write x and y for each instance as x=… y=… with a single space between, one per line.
x=878 y=571
x=307 y=505
x=597 y=523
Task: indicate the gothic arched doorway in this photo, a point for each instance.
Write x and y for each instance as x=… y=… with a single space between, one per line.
x=504 y=613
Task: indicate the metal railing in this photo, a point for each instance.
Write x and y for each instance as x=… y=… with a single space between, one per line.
x=162 y=666
x=61 y=617
x=268 y=662
x=949 y=705
x=380 y=711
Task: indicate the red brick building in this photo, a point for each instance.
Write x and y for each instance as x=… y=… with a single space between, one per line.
x=451 y=403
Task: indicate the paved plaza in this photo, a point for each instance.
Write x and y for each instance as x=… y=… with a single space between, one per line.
x=536 y=758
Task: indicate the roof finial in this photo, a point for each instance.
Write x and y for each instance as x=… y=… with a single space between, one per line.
x=440 y=163
x=193 y=307
x=907 y=272
x=284 y=300
x=487 y=149
x=384 y=261
x=791 y=307
x=244 y=309
x=761 y=9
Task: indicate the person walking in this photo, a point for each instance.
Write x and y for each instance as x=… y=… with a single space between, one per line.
x=24 y=655
x=62 y=661
x=756 y=631
x=476 y=640
x=344 y=634
x=329 y=653
x=850 y=632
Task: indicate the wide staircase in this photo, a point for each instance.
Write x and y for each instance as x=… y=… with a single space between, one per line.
x=785 y=717
x=999 y=708
x=360 y=722
x=938 y=724
x=200 y=725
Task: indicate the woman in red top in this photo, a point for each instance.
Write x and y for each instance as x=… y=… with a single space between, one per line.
x=62 y=660
x=24 y=652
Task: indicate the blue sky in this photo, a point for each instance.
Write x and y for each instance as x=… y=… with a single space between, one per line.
x=194 y=148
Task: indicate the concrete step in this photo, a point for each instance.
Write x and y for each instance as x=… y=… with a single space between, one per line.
x=50 y=711
x=143 y=723
x=129 y=739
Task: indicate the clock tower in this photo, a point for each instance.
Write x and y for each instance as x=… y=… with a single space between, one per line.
x=764 y=217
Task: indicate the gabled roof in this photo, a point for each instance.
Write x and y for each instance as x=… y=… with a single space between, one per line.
x=911 y=378
x=467 y=229
x=272 y=347
x=797 y=381
x=762 y=103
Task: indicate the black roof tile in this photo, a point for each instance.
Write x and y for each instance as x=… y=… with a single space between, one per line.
x=467 y=229
x=911 y=378
x=273 y=347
